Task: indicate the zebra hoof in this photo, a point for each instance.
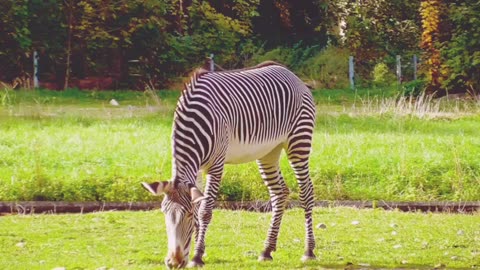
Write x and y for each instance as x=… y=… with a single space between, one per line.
x=195 y=263
x=264 y=257
x=308 y=256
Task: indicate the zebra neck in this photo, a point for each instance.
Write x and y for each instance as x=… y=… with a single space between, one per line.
x=183 y=172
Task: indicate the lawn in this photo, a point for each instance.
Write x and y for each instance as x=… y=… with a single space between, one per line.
x=137 y=240
x=369 y=145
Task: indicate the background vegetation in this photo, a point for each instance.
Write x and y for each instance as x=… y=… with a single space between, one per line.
x=92 y=38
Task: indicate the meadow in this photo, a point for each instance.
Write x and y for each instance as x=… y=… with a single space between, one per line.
x=368 y=145
x=349 y=239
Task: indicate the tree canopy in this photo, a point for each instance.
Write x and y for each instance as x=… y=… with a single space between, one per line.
x=165 y=39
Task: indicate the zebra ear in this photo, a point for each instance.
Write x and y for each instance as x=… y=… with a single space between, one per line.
x=196 y=195
x=157 y=188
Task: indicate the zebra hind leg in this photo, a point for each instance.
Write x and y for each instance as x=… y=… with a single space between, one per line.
x=298 y=154
x=278 y=191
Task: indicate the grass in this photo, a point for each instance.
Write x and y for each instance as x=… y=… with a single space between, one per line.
x=75 y=146
x=137 y=240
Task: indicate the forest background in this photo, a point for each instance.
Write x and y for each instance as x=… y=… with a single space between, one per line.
x=138 y=43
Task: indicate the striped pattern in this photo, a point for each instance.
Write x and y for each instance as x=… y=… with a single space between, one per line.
x=240 y=116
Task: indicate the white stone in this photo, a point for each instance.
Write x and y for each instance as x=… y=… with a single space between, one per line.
x=113 y=102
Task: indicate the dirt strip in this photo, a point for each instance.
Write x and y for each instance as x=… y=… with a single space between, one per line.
x=38 y=207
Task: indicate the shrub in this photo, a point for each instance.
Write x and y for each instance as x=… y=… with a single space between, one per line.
x=327 y=69
x=382 y=75
x=414 y=88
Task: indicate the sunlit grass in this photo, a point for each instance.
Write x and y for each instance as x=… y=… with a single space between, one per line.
x=75 y=146
x=137 y=240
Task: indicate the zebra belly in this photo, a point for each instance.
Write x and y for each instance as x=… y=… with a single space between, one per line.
x=241 y=152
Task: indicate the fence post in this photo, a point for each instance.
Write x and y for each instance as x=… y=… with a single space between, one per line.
x=399 y=69
x=35 y=69
x=212 y=64
x=351 y=72
x=415 y=61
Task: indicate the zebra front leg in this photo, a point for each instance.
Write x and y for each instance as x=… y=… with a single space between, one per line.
x=205 y=215
x=278 y=197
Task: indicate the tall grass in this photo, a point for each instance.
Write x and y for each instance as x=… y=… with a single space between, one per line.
x=75 y=146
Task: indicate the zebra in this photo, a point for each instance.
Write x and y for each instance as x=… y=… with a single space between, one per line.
x=232 y=117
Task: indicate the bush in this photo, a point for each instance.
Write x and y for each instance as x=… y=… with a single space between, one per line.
x=327 y=69
x=414 y=88
x=382 y=75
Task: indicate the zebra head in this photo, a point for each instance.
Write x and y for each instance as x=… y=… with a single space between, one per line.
x=178 y=206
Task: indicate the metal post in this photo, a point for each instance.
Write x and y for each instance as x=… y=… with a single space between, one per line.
x=399 y=69
x=212 y=64
x=351 y=72
x=35 y=69
x=415 y=61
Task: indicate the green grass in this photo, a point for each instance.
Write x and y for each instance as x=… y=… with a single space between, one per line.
x=75 y=146
x=137 y=240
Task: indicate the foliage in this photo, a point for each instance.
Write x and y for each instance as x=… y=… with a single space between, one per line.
x=382 y=76
x=377 y=30
x=293 y=57
x=77 y=40
x=15 y=40
x=287 y=22
x=461 y=52
x=327 y=68
x=414 y=88
x=432 y=12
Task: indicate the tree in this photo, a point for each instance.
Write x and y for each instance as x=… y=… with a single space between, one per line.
x=15 y=40
x=288 y=22
x=433 y=15
x=379 y=30
x=461 y=52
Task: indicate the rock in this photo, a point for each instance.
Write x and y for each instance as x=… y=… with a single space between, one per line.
x=113 y=102
x=425 y=245
x=21 y=244
x=321 y=226
x=355 y=222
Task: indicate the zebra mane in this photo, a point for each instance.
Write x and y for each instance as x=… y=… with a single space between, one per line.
x=200 y=72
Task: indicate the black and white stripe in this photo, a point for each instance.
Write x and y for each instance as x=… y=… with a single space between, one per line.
x=239 y=116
